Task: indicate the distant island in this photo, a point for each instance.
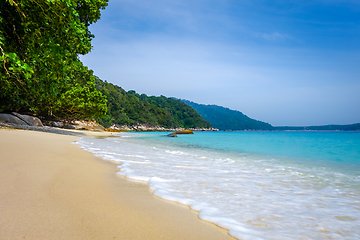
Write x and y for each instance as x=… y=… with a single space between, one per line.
x=226 y=119
x=348 y=127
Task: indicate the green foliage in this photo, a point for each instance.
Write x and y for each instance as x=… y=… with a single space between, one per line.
x=40 y=41
x=227 y=119
x=126 y=108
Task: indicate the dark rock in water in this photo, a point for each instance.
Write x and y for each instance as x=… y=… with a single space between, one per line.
x=9 y=118
x=180 y=132
x=172 y=135
x=185 y=132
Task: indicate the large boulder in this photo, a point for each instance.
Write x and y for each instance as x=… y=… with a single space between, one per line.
x=19 y=119
x=9 y=118
x=30 y=120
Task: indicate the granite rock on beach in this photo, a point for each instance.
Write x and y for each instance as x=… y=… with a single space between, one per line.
x=16 y=118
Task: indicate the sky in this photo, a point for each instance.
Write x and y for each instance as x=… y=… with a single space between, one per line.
x=285 y=62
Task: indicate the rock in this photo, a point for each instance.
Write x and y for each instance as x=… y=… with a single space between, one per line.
x=9 y=118
x=56 y=124
x=87 y=125
x=19 y=119
x=184 y=132
x=68 y=126
x=77 y=125
x=30 y=120
x=172 y=135
x=126 y=128
x=114 y=127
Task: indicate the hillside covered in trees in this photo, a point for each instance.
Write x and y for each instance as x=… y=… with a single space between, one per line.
x=127 y=108
x=227 y=119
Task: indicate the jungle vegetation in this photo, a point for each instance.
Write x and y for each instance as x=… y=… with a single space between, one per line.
x=40 y=73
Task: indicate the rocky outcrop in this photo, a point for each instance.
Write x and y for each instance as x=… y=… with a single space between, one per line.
x=76 y=125
x=148 y=128
x=175 y=134
x=19 y=119
x=205 y=129
x=87 y=125
x=57 y=124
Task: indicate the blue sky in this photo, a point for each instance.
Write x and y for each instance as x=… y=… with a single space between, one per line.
x=283 y=62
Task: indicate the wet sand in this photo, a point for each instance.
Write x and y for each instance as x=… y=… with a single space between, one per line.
x=52 y=189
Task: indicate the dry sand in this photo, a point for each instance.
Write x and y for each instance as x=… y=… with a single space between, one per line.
x=51 y=189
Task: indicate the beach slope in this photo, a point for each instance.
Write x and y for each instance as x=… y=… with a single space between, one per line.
x=51 y=189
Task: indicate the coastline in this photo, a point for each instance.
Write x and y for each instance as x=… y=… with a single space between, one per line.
x=52 y=189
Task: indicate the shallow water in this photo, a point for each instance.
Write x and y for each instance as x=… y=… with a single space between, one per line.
x=259 y=185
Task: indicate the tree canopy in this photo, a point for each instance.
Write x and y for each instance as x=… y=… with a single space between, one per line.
x=40 y=41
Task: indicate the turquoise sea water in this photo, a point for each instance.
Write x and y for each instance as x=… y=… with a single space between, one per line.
x=319 y=148
x=258 y=185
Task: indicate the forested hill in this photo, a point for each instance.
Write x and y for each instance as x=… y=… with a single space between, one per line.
x=227 y=119
x=127 y=108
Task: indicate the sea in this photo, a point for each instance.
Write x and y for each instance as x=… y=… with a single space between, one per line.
x=256 y=184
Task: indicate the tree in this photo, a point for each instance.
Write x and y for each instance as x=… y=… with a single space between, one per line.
x=40 y=41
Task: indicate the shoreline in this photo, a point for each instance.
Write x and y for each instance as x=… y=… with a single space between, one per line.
x=52 y=189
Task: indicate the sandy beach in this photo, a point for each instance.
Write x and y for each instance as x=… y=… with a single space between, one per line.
x=52 y=189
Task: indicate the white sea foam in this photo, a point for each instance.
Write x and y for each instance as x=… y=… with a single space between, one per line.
x=253 y=198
